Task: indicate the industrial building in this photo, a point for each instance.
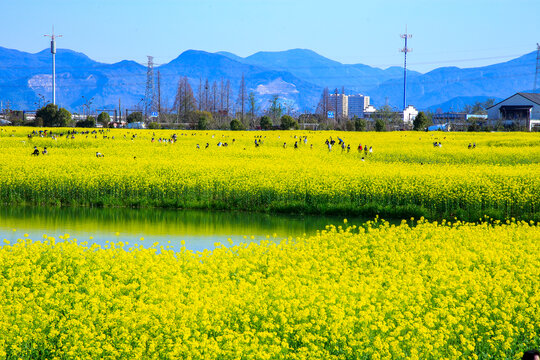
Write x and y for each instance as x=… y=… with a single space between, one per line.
x=521 y=110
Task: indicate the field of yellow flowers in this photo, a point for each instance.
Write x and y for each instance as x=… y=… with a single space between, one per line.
x=377 y=291
x=404 y=174
x=425 y=290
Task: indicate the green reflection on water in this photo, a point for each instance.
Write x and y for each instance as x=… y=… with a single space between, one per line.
x=199 y=228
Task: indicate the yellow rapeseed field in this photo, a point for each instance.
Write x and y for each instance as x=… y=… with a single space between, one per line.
x=379 y=291
x=403 y=175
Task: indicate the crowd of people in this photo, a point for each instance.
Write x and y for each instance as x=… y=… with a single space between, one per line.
x=363 y=150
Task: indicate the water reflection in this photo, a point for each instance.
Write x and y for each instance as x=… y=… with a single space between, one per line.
x=199 y=229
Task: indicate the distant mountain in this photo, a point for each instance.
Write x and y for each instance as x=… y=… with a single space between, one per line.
x=316 y=69
x=297 y=76
x=25 y=79
x=458 y=104
x=200 y=65
x=443 y=84
x=230 y=55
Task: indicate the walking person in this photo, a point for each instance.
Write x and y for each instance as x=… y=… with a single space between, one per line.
x=531 y=355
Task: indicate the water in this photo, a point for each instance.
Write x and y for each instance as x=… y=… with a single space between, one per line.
x=199 y=229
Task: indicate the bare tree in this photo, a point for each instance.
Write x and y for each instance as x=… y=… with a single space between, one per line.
x=184 y=101
x=214 y=97
x=222 y=95
x=323 y=107
x=206 y=106
x=242 y=96
x=228 y=97
x=200 y=94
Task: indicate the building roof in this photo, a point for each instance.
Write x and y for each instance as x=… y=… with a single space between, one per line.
x=534 y=97
x=516 y=107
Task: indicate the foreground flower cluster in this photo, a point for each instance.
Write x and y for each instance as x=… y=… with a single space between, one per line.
x=378 y=291
x=404 y=174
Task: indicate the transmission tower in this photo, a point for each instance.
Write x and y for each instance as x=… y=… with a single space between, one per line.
x=405 y=50
x=53 y=52
x=150 y=93
x=537 y=67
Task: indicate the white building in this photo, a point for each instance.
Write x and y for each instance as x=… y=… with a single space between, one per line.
x=370 y=109
x=342 y=105
x=409 y=114
x=521 y=109
x=357 y=104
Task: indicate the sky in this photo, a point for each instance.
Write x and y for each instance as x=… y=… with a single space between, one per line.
x=462 y=33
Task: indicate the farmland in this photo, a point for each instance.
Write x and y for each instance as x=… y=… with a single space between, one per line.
x=404 y=175
x=456 y=278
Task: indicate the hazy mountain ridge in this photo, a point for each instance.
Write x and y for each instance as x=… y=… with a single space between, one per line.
x=443 y=84
x=298 y=75
x=314 y=68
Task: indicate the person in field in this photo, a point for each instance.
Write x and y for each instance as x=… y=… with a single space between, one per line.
x=531 y=355
x=36 y=151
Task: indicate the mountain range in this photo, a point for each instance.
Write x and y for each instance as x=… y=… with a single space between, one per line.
x=297 y=76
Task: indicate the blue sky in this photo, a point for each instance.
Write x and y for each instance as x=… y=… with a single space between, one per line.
x=445 y=33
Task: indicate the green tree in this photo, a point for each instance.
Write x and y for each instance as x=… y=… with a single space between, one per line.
x=16 y=117
x=104 y=118
x=52 y=116
x=380 y=125
x=360 y=124
x=287 y=123
x=136 y=116
x=266 y=123
x=420 y=122
x=154 y=125
x=275 y=109
x=37 y=122
x=90 y=122
x=47 y=114
x=252 y=102
x=203 y=119
x=63 y=118
x=236 y=125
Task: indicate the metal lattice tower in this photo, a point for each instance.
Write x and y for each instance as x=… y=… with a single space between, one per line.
x=537 y=68
x=150 y=93
x=405 y=50
x=53 y=52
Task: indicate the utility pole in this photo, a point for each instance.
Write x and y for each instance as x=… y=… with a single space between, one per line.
x=405 y=50
x=53 y=52
x=537 y=67
x=336 y=119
